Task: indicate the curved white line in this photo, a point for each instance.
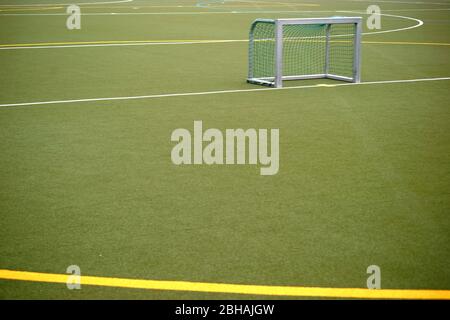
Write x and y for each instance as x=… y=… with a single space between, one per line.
x=419 y=22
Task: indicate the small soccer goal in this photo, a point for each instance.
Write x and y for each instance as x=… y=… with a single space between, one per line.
x=297 y=49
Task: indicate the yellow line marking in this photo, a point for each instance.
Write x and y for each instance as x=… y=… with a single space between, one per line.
x=187 y=40
x=326 y=85
x=266 y=3
x=408 y=43
x=30 y=9
x=230 y=288
x=97 y=42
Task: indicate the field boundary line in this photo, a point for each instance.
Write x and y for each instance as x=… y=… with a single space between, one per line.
x=200 y=93
x=229 y=288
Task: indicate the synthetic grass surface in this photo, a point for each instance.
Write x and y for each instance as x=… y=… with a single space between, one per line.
x=364 y=170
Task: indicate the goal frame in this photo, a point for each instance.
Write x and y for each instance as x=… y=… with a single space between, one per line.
x=277 y=80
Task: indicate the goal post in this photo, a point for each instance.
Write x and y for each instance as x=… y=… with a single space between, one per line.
x=298 y=49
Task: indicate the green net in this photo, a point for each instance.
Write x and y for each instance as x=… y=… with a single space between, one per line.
x=262 y=50
x=341 y=54
x=304 y=50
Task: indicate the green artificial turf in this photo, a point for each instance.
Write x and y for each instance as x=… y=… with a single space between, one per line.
x=364 y=170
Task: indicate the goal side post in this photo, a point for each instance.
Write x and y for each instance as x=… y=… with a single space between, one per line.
x=278 y=54
x=357 y=54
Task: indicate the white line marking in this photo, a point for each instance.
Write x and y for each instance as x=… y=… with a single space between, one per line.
x=401 y=2
x=419 y=22
x=166 y=95
x=411 y=10
x=159 y=13
x=64 y=4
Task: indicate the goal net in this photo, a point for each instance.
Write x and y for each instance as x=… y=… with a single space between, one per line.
x=296 y=49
